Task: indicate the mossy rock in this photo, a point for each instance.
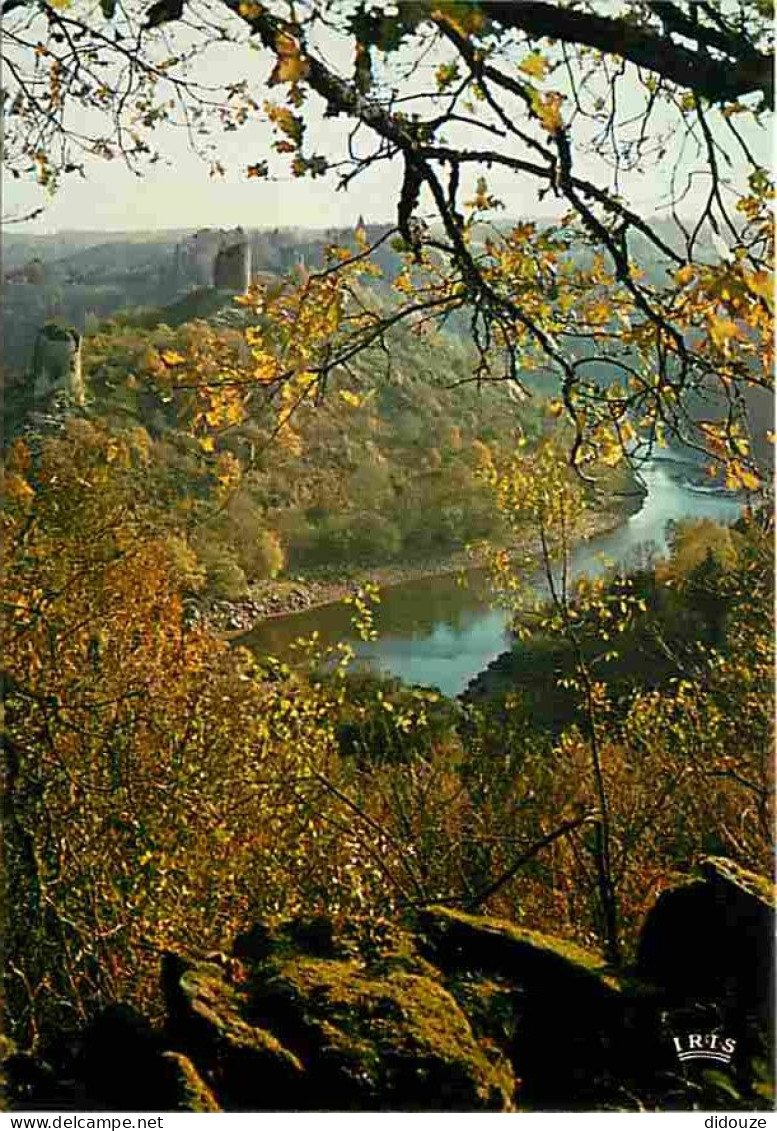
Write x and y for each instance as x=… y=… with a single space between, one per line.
x=377 y=1040
x=330 y=1016
x=189 y=1090
x=530 y=960
x=246 y=1066
x=555 y=1008
x=725 y=872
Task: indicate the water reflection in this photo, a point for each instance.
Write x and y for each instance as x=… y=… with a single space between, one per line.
x=435 y=631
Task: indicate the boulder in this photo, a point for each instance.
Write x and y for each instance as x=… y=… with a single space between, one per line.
x=443 y=1011
x=535 y=961
x=560 y=1013
x=712 y=937
x=321 y=1019
x=29 y=1083
x=245 y=1065
x=188 y=1090
x=117 y=1063
x=707 y=949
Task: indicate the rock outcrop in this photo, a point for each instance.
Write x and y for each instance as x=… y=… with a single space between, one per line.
x=442 y=1012
x=307 y=1016
x=711 y=938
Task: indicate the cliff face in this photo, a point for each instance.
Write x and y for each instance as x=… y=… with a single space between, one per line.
x=443 y=1011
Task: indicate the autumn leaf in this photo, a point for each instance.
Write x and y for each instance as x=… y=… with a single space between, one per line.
x=535 y=65
x=715 y=437
x=547 y=109
x=739 y=477
x=260 y=169
x=285 y=121
x=761 y=283
x=172 y=357
x=722 y=332
x=350 y=398
x=290 y=69
x=292 y=66
x=17 y=490
x=611 y=455
x=446 y=75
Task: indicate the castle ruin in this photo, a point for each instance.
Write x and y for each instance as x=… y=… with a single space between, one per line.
x=232 y=266
x=56 y=363
x=216 y=258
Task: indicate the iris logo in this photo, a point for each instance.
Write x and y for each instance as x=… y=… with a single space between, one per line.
x=705 y=1046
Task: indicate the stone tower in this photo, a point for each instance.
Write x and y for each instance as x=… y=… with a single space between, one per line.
x=200 y=253
x=56 y=364
x=232 y=267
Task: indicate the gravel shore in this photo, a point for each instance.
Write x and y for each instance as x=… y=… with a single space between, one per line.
x=268 y=599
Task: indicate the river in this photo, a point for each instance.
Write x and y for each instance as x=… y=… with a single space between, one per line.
x=436 y=631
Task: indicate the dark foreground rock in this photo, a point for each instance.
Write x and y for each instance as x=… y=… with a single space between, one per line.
x=442 y=1012
x=709 y=943
x=712 y=937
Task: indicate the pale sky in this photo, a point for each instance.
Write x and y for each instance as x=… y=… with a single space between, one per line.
x=179 y=193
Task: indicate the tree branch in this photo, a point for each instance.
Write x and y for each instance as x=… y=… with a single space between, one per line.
x=719 y=80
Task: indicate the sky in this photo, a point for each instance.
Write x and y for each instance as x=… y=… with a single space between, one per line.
x=180 y=193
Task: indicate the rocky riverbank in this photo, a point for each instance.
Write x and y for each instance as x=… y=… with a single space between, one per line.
x=268 y=599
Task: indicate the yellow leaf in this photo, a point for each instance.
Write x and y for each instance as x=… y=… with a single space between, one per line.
x=535 y=65
x=611 y=456
x=290 y=69
x=292 y=65
x=171 y=357
x=722 y=331
x=628 y=432
x=350 y=398
x=761 y=283
x=548 y=110
x=555 y=408
x=739 y=477
x=17 y=489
